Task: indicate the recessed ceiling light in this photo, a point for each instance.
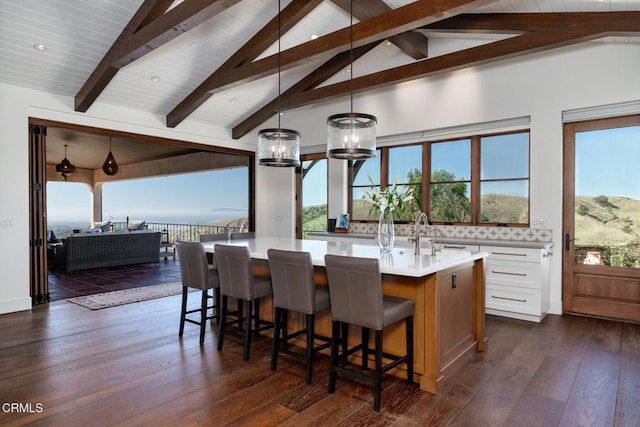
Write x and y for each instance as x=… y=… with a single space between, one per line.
x=155 y=78
x=232 y=100
x=313 y=36
x=39 y=47
x=194 y=44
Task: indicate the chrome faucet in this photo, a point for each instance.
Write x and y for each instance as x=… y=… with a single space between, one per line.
x=420 y=218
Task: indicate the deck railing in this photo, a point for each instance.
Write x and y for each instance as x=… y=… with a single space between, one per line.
x=186 y=232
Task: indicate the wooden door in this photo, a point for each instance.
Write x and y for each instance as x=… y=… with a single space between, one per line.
x=601 y=218
x=39 y=286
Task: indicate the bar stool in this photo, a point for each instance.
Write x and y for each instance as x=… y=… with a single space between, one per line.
x=294 y=289
x=243 y=235
x=196 y=273
x=237 y=281
x=355 y=287
x=212 y=238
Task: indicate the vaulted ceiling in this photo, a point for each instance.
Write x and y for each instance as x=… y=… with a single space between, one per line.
x=217 y=60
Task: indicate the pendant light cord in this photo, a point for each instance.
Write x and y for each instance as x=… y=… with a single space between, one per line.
x=351 y=54
x=279 y=62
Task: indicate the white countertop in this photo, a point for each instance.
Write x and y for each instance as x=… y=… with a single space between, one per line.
x=400 y=261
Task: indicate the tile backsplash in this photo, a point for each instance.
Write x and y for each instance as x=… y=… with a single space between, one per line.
x=466 y=232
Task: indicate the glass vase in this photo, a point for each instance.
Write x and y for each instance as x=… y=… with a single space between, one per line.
x=386 y=234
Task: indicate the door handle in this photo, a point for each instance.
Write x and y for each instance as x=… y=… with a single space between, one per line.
x=567 y=242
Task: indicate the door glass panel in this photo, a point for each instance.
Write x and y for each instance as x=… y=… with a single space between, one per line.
x=607 y=197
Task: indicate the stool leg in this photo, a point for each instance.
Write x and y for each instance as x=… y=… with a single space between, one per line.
x=183 y=311
x=217 y=304
x=335 y=338
x=203 y=315
x=247 y=332
x=309 y=358
x=377 y=385
x=223 y=322
x=344 y=339
x=276 y=338
x=256 y=319
x=409 y=328
x=365 y=349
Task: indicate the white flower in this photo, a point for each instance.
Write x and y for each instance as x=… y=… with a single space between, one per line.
x=389 y=198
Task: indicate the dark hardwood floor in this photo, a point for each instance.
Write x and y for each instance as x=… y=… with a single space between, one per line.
x=125 y=365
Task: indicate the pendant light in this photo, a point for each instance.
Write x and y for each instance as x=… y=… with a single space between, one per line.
x=277 y=146
x=110 y=167
x=65 y=168
x=351 y=135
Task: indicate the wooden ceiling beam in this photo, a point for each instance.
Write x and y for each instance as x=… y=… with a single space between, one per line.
x=491 y=52
x=105 y=71
x=624 y=23
x=182 y=18
x=381 y=27
x=412 y=43
x=321 y=74
x=289 y=16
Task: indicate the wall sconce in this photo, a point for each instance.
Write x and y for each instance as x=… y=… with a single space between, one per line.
x=65 y=168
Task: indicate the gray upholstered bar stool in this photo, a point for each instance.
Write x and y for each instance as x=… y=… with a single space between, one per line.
x=196 y=273
x=243 y=235
x=355 y=287
x=213 y=238
x=237 y=281
x=295 y=290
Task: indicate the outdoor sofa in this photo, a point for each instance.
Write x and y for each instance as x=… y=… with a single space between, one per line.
x=84 y=251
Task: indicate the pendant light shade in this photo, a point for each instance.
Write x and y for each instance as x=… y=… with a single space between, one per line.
x=110 y=167
x=279 y=147
x=65 y=168
x=351 y=136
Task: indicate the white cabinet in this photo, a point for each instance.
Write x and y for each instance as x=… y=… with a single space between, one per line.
x=517 y=282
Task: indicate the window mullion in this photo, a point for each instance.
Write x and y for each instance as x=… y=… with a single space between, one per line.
x=475 y=180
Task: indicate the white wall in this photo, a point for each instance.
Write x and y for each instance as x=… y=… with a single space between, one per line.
x=541 y=86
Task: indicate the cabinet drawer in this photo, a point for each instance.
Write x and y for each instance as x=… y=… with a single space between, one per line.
x=519 y=274
x=507 y=298
x=460 y=246
x=513 y=254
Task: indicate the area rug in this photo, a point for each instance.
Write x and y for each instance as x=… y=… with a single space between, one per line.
x=127 y=296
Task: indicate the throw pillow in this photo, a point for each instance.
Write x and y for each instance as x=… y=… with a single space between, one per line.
x=103 y=226
x=137 y=225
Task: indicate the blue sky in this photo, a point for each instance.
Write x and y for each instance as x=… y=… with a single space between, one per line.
x=607 y=162
x=213 y=194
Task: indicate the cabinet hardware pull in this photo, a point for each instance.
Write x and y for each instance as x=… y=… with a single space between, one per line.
x=454 y=246
x=506 y=253
x=510 y=299
x=510 y=274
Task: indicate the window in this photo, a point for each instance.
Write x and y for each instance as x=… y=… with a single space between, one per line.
x=314 y=194
x=450 y=184
x=405 y=168
x=365 y=174
x=504 y=179
x=482 y=179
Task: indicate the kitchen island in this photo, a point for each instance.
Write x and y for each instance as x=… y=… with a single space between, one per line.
x=447 y=289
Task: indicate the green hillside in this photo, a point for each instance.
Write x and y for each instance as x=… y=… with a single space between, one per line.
x=607 y=220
